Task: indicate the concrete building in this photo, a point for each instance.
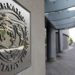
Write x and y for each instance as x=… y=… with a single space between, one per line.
x=47 y=37
x=36 y=8
x=57 y=40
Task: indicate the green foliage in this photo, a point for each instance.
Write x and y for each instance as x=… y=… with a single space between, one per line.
x=70 y=41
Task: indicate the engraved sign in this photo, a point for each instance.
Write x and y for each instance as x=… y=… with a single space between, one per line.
x=14 y=37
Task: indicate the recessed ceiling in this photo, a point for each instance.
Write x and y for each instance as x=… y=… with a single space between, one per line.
x=61 y=13
x=58 y=5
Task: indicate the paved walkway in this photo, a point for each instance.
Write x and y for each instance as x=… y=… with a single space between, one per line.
x=64 y=65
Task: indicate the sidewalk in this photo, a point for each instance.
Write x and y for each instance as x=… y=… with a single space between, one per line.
x=64 y=65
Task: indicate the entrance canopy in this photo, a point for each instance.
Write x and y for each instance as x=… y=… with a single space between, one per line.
x=61 y=13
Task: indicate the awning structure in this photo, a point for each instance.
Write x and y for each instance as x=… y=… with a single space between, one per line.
x=61 y=13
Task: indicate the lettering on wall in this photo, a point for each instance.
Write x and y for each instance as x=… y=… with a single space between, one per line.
x=14 y=37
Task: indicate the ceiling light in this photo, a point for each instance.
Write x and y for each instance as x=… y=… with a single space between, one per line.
x=71 y=9
x=46 y=13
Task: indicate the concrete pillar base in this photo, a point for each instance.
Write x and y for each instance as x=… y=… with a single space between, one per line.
x=51 y=60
